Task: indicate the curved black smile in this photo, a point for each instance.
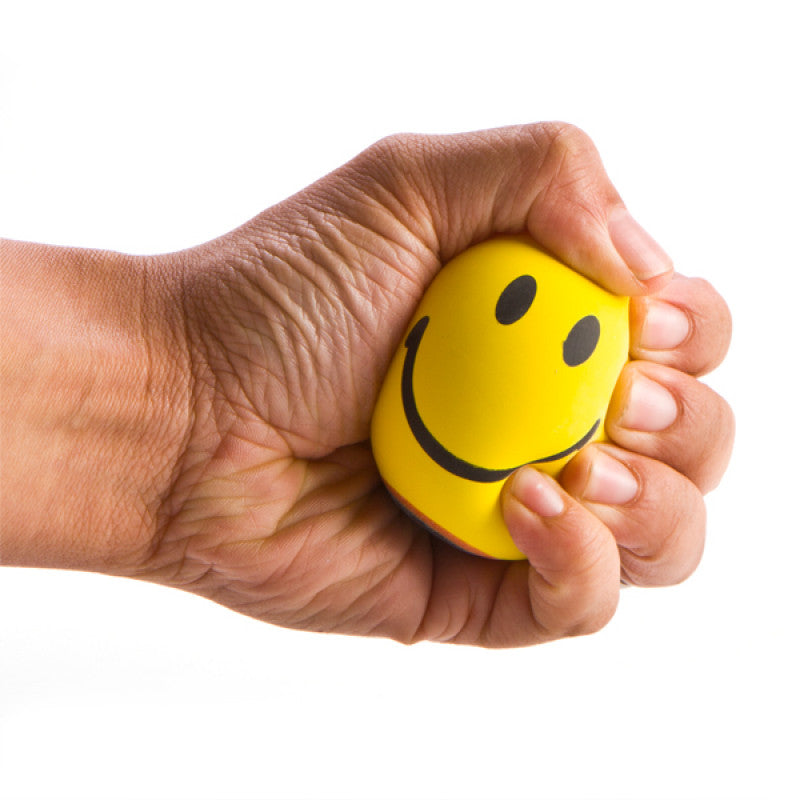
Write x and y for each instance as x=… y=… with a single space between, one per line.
x=433 y=448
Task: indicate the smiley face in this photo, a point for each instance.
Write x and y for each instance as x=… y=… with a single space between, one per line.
x=584 y=335
x=510 y=359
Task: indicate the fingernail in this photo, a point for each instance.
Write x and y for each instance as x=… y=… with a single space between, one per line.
x=665 y=326
x=650 y=406
x=610 y=481
x=643 y=255
x=537 y=493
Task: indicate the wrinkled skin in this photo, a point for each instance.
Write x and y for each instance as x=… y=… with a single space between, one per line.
x=278 y=510
x=267 y=499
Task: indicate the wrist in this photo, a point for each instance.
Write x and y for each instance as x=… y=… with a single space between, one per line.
x=95 y=405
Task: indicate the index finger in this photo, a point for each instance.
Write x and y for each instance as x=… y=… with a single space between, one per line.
x=545 y=179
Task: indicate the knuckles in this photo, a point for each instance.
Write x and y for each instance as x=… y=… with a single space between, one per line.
x=712 y=328
x=595 y=621
x=560 y=143
x=563 y=140
x=670 y=554
x=397 y=153
x=715 y=450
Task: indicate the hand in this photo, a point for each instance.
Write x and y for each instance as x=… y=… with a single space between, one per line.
x=244 y=471
x=278 y=511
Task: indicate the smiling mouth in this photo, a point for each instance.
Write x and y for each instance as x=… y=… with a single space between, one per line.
x=434 y=448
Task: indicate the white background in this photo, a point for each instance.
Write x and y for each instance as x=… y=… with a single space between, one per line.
x=148 y=128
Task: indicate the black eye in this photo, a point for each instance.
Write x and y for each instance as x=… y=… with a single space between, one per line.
x=582 y=340
x=515 y=300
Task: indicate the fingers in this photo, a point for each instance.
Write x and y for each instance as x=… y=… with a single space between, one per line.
x=617 y=515
x=656 y=515
x=573 y=580
x=685 y=325
x=665 y=414
x=569 y=586
x=546 y=178
x=658 y=409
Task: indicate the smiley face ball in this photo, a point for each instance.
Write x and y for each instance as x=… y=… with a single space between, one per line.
x=510 y=359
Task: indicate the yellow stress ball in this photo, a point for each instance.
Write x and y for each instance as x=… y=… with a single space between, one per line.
x=510 y=359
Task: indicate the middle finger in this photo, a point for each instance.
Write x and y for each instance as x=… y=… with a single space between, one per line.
x=685 y=325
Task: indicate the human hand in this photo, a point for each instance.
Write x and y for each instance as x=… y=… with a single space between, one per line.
x=277 y=509
x=201 y=419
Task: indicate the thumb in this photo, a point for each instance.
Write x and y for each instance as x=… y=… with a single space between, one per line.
x=545 y=178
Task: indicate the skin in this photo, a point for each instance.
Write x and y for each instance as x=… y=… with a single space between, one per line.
x=200 y=419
